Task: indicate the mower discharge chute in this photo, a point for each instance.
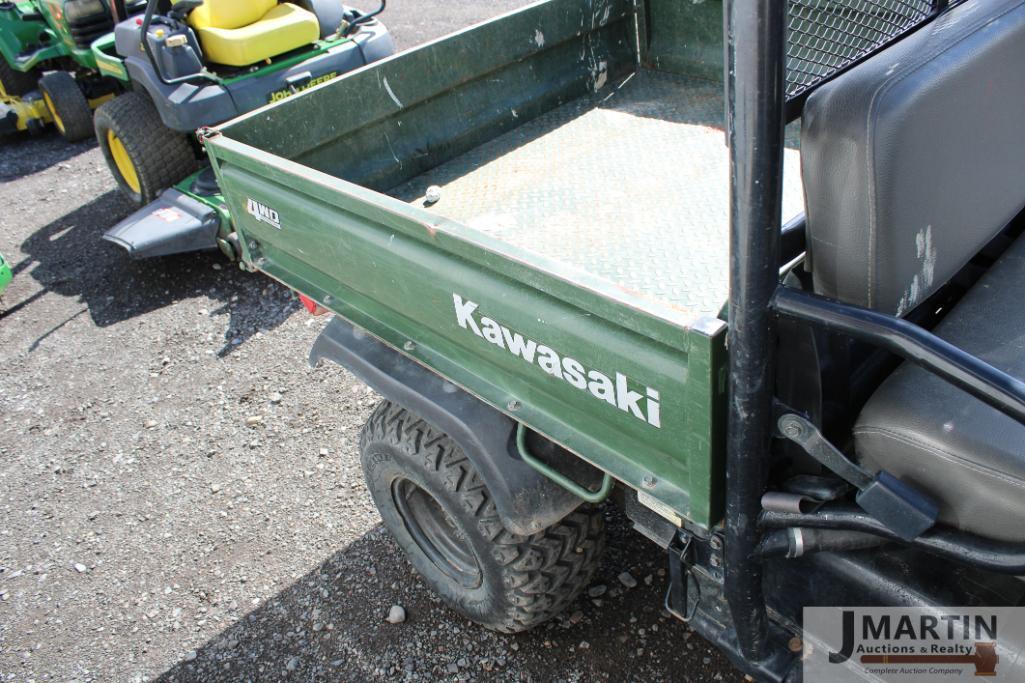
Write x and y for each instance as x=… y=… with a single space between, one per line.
x=199 y=64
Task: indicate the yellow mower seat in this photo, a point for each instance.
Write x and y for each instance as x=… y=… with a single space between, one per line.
x=244 y=32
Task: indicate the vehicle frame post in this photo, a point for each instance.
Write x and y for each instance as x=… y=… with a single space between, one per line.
x=755 y=38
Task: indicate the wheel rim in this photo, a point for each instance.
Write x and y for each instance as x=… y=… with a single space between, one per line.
x=57 y=121
x=435 y=534
x=123 y=162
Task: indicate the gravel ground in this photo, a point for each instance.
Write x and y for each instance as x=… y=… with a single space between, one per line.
x=181 y=495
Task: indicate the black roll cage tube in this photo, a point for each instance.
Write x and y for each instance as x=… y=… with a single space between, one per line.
x=912 y=343
x=757 y=110
x=755 y=36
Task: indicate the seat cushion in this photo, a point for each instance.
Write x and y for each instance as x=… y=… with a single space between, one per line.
x=229 y=13
x=285 y=27
x=912 y=161
x=969 y=456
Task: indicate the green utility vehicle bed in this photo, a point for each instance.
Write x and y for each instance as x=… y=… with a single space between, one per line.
x=631 y=186
x=573 y=272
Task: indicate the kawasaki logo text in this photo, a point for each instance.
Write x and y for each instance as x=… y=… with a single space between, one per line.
x=615 y=390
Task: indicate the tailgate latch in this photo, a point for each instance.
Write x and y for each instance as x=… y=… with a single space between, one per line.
x=681 y=561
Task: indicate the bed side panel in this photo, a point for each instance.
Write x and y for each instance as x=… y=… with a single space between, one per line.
x=685 y=37
x=385 y=123
x=613 y=384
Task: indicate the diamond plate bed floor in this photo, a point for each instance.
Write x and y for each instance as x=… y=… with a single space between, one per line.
x=630 y=185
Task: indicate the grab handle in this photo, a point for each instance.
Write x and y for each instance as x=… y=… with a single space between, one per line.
x=559 y=478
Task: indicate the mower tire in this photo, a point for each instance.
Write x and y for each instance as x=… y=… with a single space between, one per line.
x=144 y=155
x=67 y=105
x=16 y=83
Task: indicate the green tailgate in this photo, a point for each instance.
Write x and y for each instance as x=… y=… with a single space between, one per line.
x=635 y=389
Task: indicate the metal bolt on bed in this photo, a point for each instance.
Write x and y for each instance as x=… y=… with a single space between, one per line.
x=790 y=429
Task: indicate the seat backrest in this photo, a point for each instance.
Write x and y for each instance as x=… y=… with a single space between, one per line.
x=229 y=14
x=913 y=160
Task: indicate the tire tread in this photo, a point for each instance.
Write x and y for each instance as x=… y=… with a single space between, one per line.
x=162 y=157
x=17 y=83
x=71 y=103
x=543 y=572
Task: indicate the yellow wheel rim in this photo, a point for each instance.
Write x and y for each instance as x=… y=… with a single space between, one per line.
x=53 y=112
x=123 y=162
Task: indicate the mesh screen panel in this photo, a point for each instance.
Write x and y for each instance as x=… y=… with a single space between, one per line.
x=826 y=36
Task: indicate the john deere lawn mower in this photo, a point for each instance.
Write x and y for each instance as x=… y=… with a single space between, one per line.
x=57 y=62
x=196 y=63
x=5 y=274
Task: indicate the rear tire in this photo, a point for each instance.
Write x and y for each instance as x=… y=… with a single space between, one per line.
x=144 y=155
x=443 y=517
x=16 y=83
x=68 y=106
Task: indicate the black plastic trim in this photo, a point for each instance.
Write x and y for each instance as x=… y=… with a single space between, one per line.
x=527 y=502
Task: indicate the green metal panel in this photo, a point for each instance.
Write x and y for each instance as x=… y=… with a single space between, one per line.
x=705 y=411
x=17 y=35
x=630 y=384
x=395 y=270
x=436 y=101
x=685 y=36
x=107 y=61
x=53 y=13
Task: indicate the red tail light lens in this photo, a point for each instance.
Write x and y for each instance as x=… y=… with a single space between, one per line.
x=311 y=306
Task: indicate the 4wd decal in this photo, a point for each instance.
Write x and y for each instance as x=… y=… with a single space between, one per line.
x=263 y=213
x=613 y=390
x=278 y=95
